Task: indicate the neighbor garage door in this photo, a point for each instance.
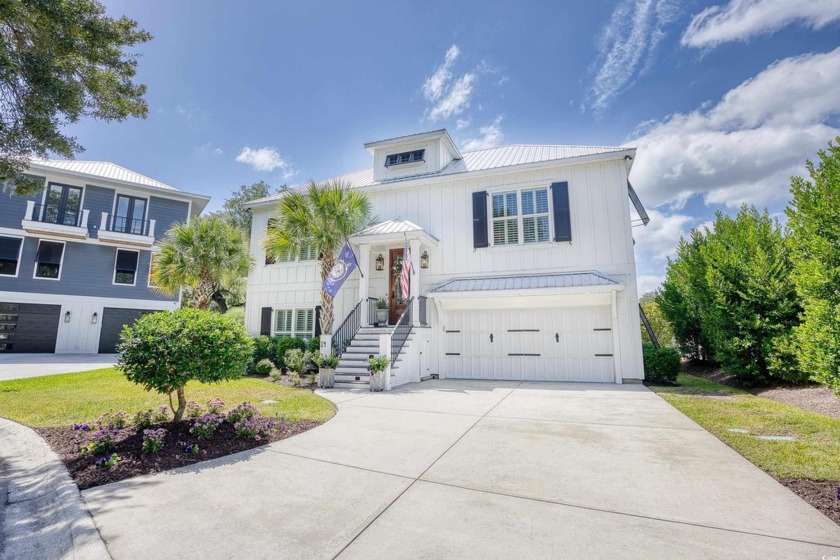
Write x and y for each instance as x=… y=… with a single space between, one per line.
x=113 y=320
x=563 y=344
x=27 y=327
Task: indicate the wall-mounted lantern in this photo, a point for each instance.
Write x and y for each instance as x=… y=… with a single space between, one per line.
x=380 y=262
x=424 y=260
x=67 y=317
x=95 y=318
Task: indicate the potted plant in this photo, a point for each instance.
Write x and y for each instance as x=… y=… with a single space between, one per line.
x=326 y=369
x=381 y=311
x=377 y=367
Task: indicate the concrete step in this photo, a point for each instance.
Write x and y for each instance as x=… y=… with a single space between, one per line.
x=341 y=372
x=355 y=385
x=355 y=366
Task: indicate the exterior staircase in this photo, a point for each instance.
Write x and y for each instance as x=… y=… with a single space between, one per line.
x=352 y=371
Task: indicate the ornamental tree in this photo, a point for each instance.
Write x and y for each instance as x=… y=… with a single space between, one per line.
x=163 y=351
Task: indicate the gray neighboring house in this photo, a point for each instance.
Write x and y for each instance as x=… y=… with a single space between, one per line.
x=75 y=258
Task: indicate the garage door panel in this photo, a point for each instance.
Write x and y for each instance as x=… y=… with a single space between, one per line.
x=562 y=344
x=28 y=328
x=113 y=320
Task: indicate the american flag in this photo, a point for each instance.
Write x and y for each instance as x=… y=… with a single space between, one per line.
x=406 y=268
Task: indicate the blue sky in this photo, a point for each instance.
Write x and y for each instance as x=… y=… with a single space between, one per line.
x=724 y=99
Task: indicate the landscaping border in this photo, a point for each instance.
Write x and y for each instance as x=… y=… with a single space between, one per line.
x=42 y=512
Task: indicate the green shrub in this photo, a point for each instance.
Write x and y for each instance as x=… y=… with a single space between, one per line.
x=662 y=365
x=264 y=349
x=296 y=361
x=264 y=366
x=164 y=350
x=284 y=345
x=314 y=344
x=325 y=361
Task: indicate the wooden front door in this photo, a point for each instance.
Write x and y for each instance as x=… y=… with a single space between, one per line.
x=395 y=304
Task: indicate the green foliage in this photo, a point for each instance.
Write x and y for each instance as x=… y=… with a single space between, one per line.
x=164 y=350
x=283 y=345
x=730 y=297
x=264 y=348
x=661 y=365
x=382 y=303
x=661 y=326
x=296 y=361
x=314 y=344
x=378 y=364
x=321 y=216
x=264 y=366
x=814 y=222
x=235 y=212
x=59 y=62
x=207 y=255
x=325 y=361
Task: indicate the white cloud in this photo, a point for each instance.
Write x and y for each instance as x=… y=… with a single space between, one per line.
x=648 y=282
x=741 y=20
x=435 y=84
x=490 y=136
x=263 y=159
x=663 y=232
x=462 y=123
x=745 y=147
x=210 y=148
x=456 y=99
x=627 y=47
x=191 y=111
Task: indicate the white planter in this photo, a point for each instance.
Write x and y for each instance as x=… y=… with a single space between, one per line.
x=381 y=316
x=377 y=381
x=326 y=378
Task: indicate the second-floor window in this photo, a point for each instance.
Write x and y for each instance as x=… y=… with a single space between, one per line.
x=62 y=205
x=125 y=268
x=405 y=157
x=10 y=255
x=505 y=220
x=535 y=215
x=525 y=211
x=130 y=215
x=48 y=260
x=307 y=253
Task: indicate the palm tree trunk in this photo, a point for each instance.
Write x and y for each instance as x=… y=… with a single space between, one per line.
x=203 y=292
x=326 y=299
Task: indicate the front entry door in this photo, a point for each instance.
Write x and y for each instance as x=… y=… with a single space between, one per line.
x=395 y=304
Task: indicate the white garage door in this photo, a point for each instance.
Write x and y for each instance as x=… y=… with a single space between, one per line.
x=562 y=344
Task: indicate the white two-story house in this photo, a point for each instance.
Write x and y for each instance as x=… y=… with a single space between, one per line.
x=523 y=266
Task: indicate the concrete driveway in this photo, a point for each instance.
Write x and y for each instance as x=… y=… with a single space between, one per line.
x=18 y=366
x=470 y=469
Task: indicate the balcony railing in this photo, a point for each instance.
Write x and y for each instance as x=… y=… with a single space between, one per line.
x=126 y=231
x=40 y=218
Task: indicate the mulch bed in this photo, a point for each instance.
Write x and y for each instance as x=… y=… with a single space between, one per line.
x=133 y=462
x=813 y=398
x=821 y=494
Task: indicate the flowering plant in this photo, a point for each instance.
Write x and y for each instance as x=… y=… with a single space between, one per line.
x=254 y=428
x=107 y=461
x=153 y=440
x=113 y=420
x=244 y=411
x=194 y=409
x=143 y=419
x=81 y=427
x=192 y=449
x=161 y=414
x=205 y=426
x=215 y=406
x=103 y=442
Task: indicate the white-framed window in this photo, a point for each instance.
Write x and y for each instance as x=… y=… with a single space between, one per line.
x=535 y=222
x=306 y=253
x=505 y=218
x=125 y=267
x=298 y=322
x=10 y=250
x=49 y=260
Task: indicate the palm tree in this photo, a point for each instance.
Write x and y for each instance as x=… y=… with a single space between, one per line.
x=207 y=255
x=320 y=216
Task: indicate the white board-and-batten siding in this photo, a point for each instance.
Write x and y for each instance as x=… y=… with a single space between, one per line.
x=601 y=241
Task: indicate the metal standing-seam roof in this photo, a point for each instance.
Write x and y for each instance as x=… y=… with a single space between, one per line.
x=525 y=282
x=390 y=226
x=104 y=169
x=480 y=160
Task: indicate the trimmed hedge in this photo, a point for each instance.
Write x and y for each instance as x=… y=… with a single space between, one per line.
x=283 y=345
x=662 y=365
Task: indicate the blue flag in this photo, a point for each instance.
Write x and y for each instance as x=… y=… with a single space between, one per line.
x=341 y=270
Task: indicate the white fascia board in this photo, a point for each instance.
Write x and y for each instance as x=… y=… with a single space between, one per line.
x=572 y=290
x=391 y=238
x=59 y=299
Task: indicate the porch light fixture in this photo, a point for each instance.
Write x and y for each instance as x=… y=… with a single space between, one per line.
x=95 y=318
x=67 y=317
x=380 y=262
x=424 y=260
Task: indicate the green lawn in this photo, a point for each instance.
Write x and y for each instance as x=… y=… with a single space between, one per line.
x=815 y=455
x=60 y=400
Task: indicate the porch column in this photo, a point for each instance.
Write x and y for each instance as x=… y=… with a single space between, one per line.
x=364 y=278
x=414 y=283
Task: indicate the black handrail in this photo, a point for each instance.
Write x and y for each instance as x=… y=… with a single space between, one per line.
x=401 y=331
x=344 y=334
x=422 y=301
x=50 y=215
x=122 y=224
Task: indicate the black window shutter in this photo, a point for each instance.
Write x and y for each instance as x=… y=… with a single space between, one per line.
x=265 y=321
x=50 y=252
x=9 y=248
x=479 y=202
x=562 y=215
x=317 y=320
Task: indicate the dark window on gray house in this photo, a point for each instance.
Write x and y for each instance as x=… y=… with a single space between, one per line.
x=62 y=205
x=125 y=269
x=9 y=255
x=404 y=157
x=130 y=215
x=48 y=260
